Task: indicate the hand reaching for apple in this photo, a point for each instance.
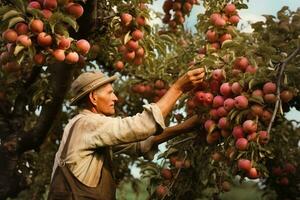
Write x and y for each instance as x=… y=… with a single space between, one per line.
x=190 y=79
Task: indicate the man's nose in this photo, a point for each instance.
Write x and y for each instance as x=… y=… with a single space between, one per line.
x=115 y=98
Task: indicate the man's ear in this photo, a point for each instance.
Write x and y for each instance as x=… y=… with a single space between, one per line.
x=92 y=98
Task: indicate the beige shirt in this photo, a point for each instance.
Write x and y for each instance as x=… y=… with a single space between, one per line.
x=93 y=131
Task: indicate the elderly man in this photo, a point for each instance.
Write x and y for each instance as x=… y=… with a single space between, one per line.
x=82 y=167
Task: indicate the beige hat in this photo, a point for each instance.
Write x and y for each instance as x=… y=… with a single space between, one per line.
x=87 y=82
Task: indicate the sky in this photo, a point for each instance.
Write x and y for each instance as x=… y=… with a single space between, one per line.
x=256 y=8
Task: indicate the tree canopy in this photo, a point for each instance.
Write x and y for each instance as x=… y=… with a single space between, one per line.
x=251 y=83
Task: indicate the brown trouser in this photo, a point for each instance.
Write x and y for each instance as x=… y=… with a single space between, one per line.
x=65 y=186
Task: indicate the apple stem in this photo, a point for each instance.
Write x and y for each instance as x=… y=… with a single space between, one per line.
x=282 y=67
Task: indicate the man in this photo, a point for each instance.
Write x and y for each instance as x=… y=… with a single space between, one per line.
x=83 y=167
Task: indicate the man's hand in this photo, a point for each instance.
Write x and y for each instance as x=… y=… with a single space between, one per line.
x=190 y=79
x=148 y=148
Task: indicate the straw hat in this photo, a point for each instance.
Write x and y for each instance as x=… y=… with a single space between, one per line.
x=87 y=82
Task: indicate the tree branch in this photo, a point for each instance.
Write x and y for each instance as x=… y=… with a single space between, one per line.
x=278 y=84
x=21 y=100
x=60 y=80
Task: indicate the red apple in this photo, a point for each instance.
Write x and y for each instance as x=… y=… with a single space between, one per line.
x=208 y=98
x=34 y=5
x=236 y=88
x=126 y=18
x=24 y=40
x=137 y=35
x=244 y=164
x=211 y=36
x=132 y=45
x=218 y=101
x=241 y=102
x=59 y=55
x=225 y=89
x=257 y=93
x=237 y=132
x=270 y=98
x=214 y=17
x=269 y=88
x=209 y=124
x=74 y=9
x=286 y=96
x=47 y=13
x=225 y=37
x=161 y=191
x=249 y=126
x=83 y=46
x=263 y=137
x=241 y=144
x=166 y=173
x=229 y=104
x=200 y=96
x=72 y=57
x=36 y=26
x=241 y=63
x=222 y=112
x=252 y=173
x=214 y=114
x=234 y=19
x=218 y=74
x=257 y=110
x=64 y=43
x=223 y=123
x=44 y=39
x=10 y=35
x=50 y=4
x=251 y=69
x=21 y=28
x=230 y=9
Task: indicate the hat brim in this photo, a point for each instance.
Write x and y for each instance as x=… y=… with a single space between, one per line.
x=95 y=86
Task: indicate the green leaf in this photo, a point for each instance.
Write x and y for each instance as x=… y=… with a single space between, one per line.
x=18 y=49
x=71 y=21
x=127 y=37
x=14 y=21
x=20 y=5
x=257 y=99
x=35 y=12
x=11 y=14
x=4 y=9
x=62 y=30
x=212 y=128
x=166 y=37
x=32 y=51
x=228 y=44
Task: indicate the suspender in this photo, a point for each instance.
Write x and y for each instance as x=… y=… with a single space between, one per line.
x=63 y=154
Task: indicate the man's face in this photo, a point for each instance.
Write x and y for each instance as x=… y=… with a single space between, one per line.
x=105 y=99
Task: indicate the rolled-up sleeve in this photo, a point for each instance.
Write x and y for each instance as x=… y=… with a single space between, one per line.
x=101 y=130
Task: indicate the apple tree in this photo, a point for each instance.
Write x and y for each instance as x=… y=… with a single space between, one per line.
x=251 y=83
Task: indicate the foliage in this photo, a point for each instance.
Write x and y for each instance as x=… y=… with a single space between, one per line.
x=118 y=37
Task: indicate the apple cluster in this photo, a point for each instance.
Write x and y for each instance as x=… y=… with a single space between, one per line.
x=130 y=49
x=221 y=23
x=235 y=112
x=152 y=91
x=34 y=36
x=282 y=172
x=176 y=10
x=168 y=174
